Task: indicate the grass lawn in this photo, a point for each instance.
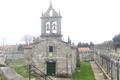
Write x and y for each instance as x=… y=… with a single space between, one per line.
x=84 y=72
x=20 y=68
x=22 y=71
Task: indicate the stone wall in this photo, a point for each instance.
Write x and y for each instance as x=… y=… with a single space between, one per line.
x=28 y=55
x=7 y=73
x=86 y=56
x=64 y=55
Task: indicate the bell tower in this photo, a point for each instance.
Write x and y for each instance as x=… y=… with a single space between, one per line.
x=51 y=23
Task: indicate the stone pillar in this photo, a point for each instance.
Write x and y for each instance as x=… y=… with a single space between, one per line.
x=119 y=70
x=117 y=66
x=107 y=66
x=111 y=70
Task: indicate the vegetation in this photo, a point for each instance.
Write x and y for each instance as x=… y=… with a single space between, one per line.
x=116 y=41
x=84 y=72
x=106 y=45
x=21 y=69
x=27 y=39
x=91 y=44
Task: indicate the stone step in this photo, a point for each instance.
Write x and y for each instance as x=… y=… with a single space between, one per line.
x=58 y=78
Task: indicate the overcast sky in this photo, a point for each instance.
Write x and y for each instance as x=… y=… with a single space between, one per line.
x=82 y=20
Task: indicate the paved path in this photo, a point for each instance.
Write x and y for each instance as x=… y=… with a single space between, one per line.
x=97 y=72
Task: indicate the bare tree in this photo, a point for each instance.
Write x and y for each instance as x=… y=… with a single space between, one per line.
x=27 y=39
x=116 y=41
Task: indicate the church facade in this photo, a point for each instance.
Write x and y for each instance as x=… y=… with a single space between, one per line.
x=50 y=53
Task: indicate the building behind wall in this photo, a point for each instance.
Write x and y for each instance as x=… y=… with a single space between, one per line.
x=86 y=54
x=50 y=53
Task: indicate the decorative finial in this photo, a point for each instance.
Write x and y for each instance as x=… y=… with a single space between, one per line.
x=69 y=40
x=50 y=3
x=59 y=13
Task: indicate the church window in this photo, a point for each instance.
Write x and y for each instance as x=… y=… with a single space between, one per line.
x=50 y=48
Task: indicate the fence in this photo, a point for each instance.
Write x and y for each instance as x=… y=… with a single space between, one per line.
x=14 y=55
x=109 y=64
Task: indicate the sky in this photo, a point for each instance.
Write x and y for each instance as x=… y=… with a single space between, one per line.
x=82 y=20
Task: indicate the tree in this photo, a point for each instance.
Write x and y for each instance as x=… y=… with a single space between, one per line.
x=27 y=39
x=91 y=44
x=85 y=44
x=116 y=41
x=20 y=47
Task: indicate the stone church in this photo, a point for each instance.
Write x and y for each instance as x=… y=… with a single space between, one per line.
x=50 y=53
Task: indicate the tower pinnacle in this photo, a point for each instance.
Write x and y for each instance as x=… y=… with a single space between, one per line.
x=50 y=3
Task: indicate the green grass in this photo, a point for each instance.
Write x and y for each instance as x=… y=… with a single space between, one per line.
x=22 y=71
x=20 y=68
x=84 y=72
